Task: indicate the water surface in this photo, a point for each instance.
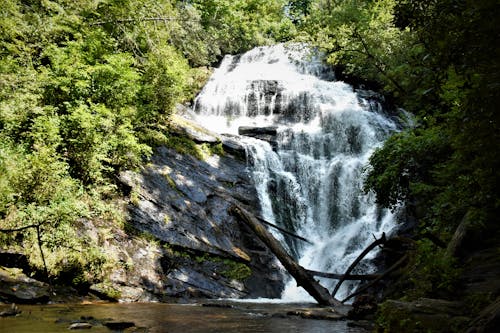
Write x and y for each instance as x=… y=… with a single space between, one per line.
x=172 y=318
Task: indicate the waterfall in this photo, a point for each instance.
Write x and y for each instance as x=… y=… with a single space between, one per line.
x=309 y=173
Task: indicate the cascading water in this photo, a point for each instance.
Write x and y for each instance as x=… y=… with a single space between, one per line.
x=309 y=180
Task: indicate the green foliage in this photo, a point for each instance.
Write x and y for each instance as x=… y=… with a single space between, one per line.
x=228 y=268
x=87 y=88
x=360 y=37
x=238 y=25
x=236 y=270
x=163 y=83
x=432 y=273
x=406 y=170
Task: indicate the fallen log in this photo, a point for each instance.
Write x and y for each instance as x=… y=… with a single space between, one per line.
x=370 y=247
x=299 y=273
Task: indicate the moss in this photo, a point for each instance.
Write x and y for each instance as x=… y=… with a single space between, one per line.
x=184 y=146
x=228 y=268
x=423 y=315
x=134 y=197
x=477 y=302
x=176 y=251
x=218 y=149
x=236 y=270
x=170 y=181
x=432 y=273
x=229 y=184
x=107 y=290
x=183 y=122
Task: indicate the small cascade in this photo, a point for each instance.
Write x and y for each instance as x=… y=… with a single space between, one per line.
x=309 y=175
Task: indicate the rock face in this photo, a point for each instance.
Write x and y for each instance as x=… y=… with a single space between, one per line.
x=182 y=203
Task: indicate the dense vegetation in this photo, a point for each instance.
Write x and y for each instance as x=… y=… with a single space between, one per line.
x=86 y=90
x=440 y=60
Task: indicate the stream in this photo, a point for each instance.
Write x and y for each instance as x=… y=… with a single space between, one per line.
x=171 y=318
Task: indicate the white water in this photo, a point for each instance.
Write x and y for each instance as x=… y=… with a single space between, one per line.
x=312 y=183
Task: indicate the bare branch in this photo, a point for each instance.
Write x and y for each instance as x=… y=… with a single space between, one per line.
x=370 y=247
x=380 y=277
x=134 y=20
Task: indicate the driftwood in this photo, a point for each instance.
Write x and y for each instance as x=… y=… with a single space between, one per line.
x=301 y=275
x=381 y=276
x=376 y=243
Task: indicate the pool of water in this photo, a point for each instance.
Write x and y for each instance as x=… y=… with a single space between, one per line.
x=171 y=318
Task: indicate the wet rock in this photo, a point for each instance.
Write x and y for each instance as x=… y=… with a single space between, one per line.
x=256 y=131
x=118 y=325
x=190 y=129
x=80 y=326
x=16 y=287
x=322 y=313
x=217 y=305
x=230 y=144
x=9 y=311
x=366 y=325
x=262 y=133
x=362 y=307
x=199 y=284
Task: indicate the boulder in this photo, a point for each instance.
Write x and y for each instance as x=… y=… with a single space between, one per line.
x=16 y=287
x=9 y=310
x=118 y=325
x=267 y=133
x=80 y=326
x=256 y=131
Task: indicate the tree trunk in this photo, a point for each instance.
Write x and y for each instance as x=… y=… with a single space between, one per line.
x=301 y=275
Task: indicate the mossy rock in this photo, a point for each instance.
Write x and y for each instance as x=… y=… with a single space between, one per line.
x=422 y=315
x=107 y=291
